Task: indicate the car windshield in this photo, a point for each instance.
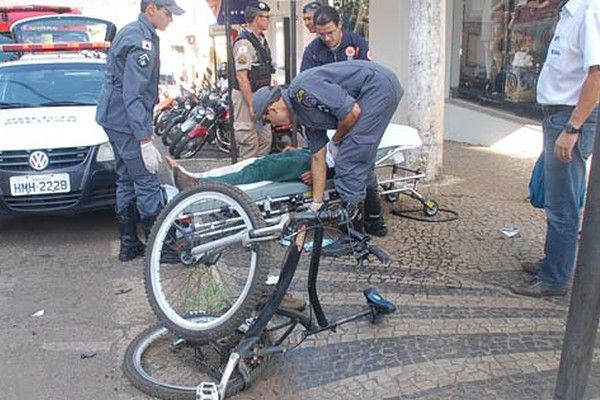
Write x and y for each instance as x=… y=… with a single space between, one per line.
x=46 y=85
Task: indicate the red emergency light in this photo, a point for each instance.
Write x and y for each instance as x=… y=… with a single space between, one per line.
x=59 y=46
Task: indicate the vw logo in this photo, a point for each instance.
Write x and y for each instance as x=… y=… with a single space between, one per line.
x=38 y=160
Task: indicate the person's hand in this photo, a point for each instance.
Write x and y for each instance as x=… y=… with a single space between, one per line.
x=151 y=156
x=253 y=115
x=288 y=147
x=306 y=178
x=315 y=207
x=563 y=147
x=332 y=148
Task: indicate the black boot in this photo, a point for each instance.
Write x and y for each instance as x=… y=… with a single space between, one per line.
x=374 y=222
x=169 y=254
x=131 y=246
x=342 y=246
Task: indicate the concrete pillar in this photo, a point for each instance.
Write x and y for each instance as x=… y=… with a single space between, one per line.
x=425 y=91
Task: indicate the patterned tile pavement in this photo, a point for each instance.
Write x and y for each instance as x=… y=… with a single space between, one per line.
x=459 y=333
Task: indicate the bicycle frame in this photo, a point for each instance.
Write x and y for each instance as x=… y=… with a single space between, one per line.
x=303 y=221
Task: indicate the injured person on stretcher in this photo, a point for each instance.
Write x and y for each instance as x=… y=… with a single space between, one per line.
x=291 y=165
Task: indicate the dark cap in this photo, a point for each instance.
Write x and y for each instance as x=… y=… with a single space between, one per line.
x=311 y=7
x=261 y=99
x=168 y=4
x=254 y=8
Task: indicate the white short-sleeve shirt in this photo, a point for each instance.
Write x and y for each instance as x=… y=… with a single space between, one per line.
x=574 y=48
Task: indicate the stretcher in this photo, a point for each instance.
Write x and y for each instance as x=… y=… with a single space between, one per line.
x=395 y=177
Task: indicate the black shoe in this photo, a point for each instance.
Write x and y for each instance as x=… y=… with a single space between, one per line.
x=376 y=227
x=532 y=267
x=539 y=289
x=131 y=248
x=339 y=248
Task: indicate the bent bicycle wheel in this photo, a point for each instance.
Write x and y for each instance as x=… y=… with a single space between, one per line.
x=196 y=261
x=160 y=364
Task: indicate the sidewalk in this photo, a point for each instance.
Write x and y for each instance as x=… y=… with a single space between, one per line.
x=459 y=333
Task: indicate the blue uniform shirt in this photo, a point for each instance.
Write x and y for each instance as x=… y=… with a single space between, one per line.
x=352 y=47
x=130 y=90
x=320 y=97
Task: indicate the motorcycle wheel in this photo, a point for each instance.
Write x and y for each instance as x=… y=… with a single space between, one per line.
x=188 y=147
x=173 y=131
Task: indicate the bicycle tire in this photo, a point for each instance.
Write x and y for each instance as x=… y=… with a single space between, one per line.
x=188 y=147
x=228 y=280
x=159 y=369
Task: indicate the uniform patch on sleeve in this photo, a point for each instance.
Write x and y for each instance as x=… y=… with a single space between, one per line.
x=350 y=52
x=143 y=60
x=369 y=55
x=242 y=60
x=243 y=49
x=146 y=45
x=306 y=99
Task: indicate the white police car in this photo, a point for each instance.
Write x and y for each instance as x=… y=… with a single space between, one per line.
x=54 y=158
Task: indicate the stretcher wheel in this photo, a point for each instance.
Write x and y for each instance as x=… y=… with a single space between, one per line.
x=195 y=263
x=391 y=197
x=430 y=207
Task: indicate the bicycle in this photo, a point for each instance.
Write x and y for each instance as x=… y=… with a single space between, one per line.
x=222 y=323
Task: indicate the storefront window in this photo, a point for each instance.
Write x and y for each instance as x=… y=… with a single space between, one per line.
x=503 y=48
x=354 y=15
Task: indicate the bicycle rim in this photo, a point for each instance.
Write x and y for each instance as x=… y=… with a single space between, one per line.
x=226 y=280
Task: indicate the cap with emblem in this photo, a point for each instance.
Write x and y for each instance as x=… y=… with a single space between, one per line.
x=261 y=99
x=254 y=8
x=168 y=4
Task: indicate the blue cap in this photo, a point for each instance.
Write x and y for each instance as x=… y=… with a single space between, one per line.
x=261 y=99
x=168 y=4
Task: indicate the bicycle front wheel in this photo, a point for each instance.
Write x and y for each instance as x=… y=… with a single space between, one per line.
x=194 y=266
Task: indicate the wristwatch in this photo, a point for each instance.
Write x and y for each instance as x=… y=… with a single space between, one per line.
x=570 y=128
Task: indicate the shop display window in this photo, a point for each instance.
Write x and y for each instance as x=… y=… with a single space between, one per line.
x=504 y=44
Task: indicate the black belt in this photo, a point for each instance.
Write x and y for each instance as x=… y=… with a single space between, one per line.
x=555 y=109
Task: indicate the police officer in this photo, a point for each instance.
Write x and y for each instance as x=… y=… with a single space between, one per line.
x=333 y=42
x=124 y=110
x=253 y=65
x=357 y=98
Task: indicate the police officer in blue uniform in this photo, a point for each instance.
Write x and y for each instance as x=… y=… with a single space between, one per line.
x=356 y=98
x=124 y=110
x=333 y=42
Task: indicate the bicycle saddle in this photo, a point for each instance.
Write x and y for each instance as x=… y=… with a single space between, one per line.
x=375 y=300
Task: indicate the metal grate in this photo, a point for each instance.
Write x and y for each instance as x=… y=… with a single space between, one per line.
x=58 y=158
x=42 y=202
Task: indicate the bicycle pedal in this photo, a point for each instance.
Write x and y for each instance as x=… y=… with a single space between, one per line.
x=207 y=391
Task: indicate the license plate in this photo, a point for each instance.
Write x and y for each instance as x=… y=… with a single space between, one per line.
x=39 y=184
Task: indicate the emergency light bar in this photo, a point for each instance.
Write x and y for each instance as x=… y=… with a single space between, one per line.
x=59 y=46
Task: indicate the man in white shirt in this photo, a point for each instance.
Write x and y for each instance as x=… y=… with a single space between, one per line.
x=568 y=91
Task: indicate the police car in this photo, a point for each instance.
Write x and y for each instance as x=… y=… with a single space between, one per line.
x=54 y=158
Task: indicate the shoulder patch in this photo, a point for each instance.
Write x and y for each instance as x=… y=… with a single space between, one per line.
x=350 y=51
x=369 y=55
x=146 y=45
x=242 y=60
x=306 y=99
x=143 y=60
x=243 y=49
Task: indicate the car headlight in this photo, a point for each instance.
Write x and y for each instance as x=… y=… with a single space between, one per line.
x=105 y=153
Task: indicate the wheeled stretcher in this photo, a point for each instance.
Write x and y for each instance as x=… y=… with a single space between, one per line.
x=395 y=177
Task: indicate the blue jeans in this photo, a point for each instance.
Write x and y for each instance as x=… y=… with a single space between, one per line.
x=563 y=187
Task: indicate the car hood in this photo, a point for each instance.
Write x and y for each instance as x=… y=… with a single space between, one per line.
x=49 y=128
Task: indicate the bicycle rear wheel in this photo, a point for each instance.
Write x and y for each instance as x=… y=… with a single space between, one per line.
x=223 y=279
x=160 y=364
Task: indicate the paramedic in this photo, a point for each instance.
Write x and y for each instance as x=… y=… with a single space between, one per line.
x=357 y=98
x=124 y=110
x=568 y=90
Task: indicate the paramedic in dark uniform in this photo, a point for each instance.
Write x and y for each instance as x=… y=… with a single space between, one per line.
x=357 y=99
x=333 y=45
x=124 y=110
x=253 y=66
x=333 y=42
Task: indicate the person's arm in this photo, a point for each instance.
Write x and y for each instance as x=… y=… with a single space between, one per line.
x=139 y=65
x=318 y=168
x=346 y=124
x=245 y=88
x=588 y=100
x=363 y=49
x=309 y=58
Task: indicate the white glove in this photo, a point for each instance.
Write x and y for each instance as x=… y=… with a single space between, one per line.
x=332 y=149
x=315 y=207
x=151 y=157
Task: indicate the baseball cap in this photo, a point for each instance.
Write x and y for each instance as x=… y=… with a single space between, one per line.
x=261 y=99
x=254 y=8
x=312 y=6
x=168 y=4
